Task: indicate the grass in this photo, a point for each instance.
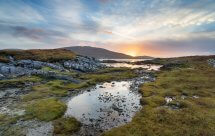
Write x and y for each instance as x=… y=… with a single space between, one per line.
x=19 y=82
x=50 y=89
x=6 y=120
x=109 y=75
x=46 y=109
x=4 y=59
x=195 y=116
x=66 y=126
x=14 y=131
x=6 y=127
x=60 y=88
x=55 y=88
x=49 y=55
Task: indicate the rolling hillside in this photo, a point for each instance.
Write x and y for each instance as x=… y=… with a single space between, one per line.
x=101 y=53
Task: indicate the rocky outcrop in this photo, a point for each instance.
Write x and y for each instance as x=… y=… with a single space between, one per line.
x=38 y=65
x=30 y=67
x=173 y=65
x=12 y=71
x=211 y=62
x=84 y=64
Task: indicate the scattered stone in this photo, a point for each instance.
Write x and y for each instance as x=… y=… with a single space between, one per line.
x=169 y=99
x=183 y=97
x=211 y=62
x=195 y=97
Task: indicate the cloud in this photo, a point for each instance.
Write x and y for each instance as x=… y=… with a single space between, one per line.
x=159 y=24
x=18 y=12
x=35 y=33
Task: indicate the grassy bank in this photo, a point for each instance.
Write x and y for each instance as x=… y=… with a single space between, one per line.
x=191 y=111
x=49 y=55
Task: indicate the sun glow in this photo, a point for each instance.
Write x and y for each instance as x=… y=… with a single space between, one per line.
x=132 y=53
x=131 y=49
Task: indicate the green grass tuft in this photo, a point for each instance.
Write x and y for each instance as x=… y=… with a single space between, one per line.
x=19 y=81
x=46 y=109
x=66 y=126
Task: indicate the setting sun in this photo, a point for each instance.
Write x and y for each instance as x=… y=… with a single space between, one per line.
x=132 y=53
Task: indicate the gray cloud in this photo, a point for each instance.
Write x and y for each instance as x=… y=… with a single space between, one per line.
x=35 y=33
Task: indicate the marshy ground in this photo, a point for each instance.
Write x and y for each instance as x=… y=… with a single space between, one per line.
x=181 y=101
x=189 y=112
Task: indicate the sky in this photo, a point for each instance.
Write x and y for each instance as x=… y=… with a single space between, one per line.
x=160 y=28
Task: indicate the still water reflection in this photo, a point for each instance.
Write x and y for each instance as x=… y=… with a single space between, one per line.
x=106 y=106
x=148 y=67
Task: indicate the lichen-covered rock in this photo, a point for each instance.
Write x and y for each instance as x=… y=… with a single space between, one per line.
x=6 y=70
x=31 y=67
x=30 y=64
x=38 y=65
x=13 y=71
x=84 y=64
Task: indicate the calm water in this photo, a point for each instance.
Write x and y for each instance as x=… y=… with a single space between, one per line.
x=127 y=60
x=121 y=64
x=106 y=106
x=148 y=67
x=111 y=104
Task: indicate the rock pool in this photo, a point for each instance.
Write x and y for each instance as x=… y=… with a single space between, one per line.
x=106 y=105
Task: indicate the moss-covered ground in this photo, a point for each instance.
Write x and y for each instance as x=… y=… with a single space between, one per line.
x=66 y=126
x=46 y=109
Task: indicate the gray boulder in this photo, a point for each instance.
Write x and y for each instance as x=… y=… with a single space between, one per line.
x=30 y=64
x=10 y=70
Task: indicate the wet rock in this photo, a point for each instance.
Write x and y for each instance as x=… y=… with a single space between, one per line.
x=114 y=107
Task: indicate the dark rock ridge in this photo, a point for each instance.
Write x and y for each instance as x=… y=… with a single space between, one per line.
x=30 y=67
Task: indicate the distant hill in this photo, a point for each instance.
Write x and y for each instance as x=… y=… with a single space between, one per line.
x=101 y=53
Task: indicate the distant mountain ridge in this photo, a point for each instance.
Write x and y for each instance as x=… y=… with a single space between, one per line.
x=101 y=53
